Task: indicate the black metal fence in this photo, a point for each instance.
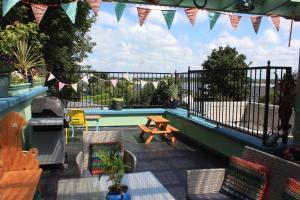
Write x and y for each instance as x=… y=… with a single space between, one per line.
x=242 y=99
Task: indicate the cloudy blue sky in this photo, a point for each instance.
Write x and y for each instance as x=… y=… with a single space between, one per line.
x=125 y=46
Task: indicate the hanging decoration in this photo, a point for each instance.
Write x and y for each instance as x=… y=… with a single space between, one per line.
x=143 y=14
x=95 y=4
x=114 y=82
x=256 y=20
x=7 y=5
x=276 y=21
x=39 y=11
x=74 y=86
x=235 y=20
x=155 y=84
x=70 y=9
x=51 y=76
x=191 y=13
x=61 y=86
x=85 y=79
x=143 y=83
x=169 y=17
x=213 y=18
x=126 y=76
x=119 y=10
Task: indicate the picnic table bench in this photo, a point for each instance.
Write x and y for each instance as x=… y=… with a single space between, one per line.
x=19 y=171
x=161 y=127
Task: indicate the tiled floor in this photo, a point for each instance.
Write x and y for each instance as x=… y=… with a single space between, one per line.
x=168 y=162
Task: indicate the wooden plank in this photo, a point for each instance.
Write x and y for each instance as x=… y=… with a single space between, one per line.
x=145 y=128
x=158 y=119
x=95 y=117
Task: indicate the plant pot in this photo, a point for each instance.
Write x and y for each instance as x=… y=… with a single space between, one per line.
x=4 y=85
x=18 y=89
x=173 y=104
x=117 y=104
x=113 y=195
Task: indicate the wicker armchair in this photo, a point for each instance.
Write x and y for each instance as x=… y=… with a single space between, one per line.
x=82 y=163
x=206 y=183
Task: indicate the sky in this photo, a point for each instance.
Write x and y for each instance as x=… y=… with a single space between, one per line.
x=127 y=47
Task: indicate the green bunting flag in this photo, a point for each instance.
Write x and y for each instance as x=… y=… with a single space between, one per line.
x=70 y=9
x=7 y=5
x=169 y=16
x=213 y=18
x=119 y=10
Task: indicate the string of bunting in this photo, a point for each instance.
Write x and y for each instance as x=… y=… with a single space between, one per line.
x=143 y=12
x=114 y=81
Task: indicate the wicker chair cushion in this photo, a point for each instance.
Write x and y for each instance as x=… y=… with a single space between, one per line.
x=292 y=191
x=245 y=180
x=95 y=148
x=208 y=196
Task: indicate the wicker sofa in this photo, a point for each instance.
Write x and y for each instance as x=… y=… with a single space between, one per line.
x=206 y=183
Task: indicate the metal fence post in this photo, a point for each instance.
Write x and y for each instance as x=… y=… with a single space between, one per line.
x=267 y=99
x=189 y=92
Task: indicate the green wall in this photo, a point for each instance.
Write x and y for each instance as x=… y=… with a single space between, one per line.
x=207 y=137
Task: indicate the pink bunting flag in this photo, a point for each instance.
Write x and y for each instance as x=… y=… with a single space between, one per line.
x=256 y=22
x=276 y=21
x=114 y=82
x=143 y=13
x=234 y=20
x=38 y=11
x=191 y=13
x=61 y=86
x=51 y=76
x=95 y=4
x=74 y=86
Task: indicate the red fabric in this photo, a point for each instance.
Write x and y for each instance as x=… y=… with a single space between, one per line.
x=191 y=13
x=256 y=22
x=294 y=185
x=143 y=14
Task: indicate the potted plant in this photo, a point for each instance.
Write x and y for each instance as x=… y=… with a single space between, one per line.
x=6 y=67
x=113 y=166
x=173 y=97
x=117 y=103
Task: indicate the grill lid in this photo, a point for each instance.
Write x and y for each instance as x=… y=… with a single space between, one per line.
x=45 y=104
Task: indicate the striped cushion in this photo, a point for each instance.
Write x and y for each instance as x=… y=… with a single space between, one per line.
x=245 y=180
x=292 y=191
x=95 y=148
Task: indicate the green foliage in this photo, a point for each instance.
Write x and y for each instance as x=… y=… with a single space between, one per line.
x=17 y=78
x=113 y=166
x=147 y=94
x=273 y=98
x=6 y=64
x=221 y=82
x=173 y=91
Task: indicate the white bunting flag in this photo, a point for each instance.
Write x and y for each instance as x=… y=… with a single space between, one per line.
x=143 y=83
x=51 y=76
x=74 y=86
x=126 y=76
x=85 y=79
x=155 y=84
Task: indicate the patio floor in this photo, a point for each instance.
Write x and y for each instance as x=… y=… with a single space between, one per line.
x=167 y=162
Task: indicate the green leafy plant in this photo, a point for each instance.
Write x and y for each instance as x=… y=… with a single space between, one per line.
x=173 y=92
x=27 y=57
x=113 y=166
x=17 y=78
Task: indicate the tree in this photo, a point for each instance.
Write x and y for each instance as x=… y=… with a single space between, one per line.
x=221 y=76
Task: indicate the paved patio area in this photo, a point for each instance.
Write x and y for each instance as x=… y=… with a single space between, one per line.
x=168 y=162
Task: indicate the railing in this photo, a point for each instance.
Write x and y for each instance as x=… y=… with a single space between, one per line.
x=241 y=98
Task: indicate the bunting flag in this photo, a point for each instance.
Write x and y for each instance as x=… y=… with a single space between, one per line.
x=119 y=10
x=143 y=83
x=143 y=14
x=95 y=4
x=191 y=13
x=213 y=18
x=235 y=20
x=155 y=84
x=276 y=21
x=7 y=5
x=126 y=76
x=114 y=82
x=61 y=86
x=38 y=11
x=70 y=9
x=51 y=76
x=256 y=22
x=85 y=79
x=75 y=86
x=169 y=16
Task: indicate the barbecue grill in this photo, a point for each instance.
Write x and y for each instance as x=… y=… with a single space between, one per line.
x=47 y=129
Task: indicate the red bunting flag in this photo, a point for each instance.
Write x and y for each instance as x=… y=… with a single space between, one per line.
x=191 y=13
x=256 y=22
x=276 y=21
x=143 y=13
x=235 y=20
x=38 y=11
x=95 y=4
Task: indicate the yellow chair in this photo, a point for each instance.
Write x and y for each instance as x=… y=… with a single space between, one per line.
x=77 y=118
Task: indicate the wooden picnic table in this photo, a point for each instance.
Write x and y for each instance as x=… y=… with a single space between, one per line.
x=162 y=126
